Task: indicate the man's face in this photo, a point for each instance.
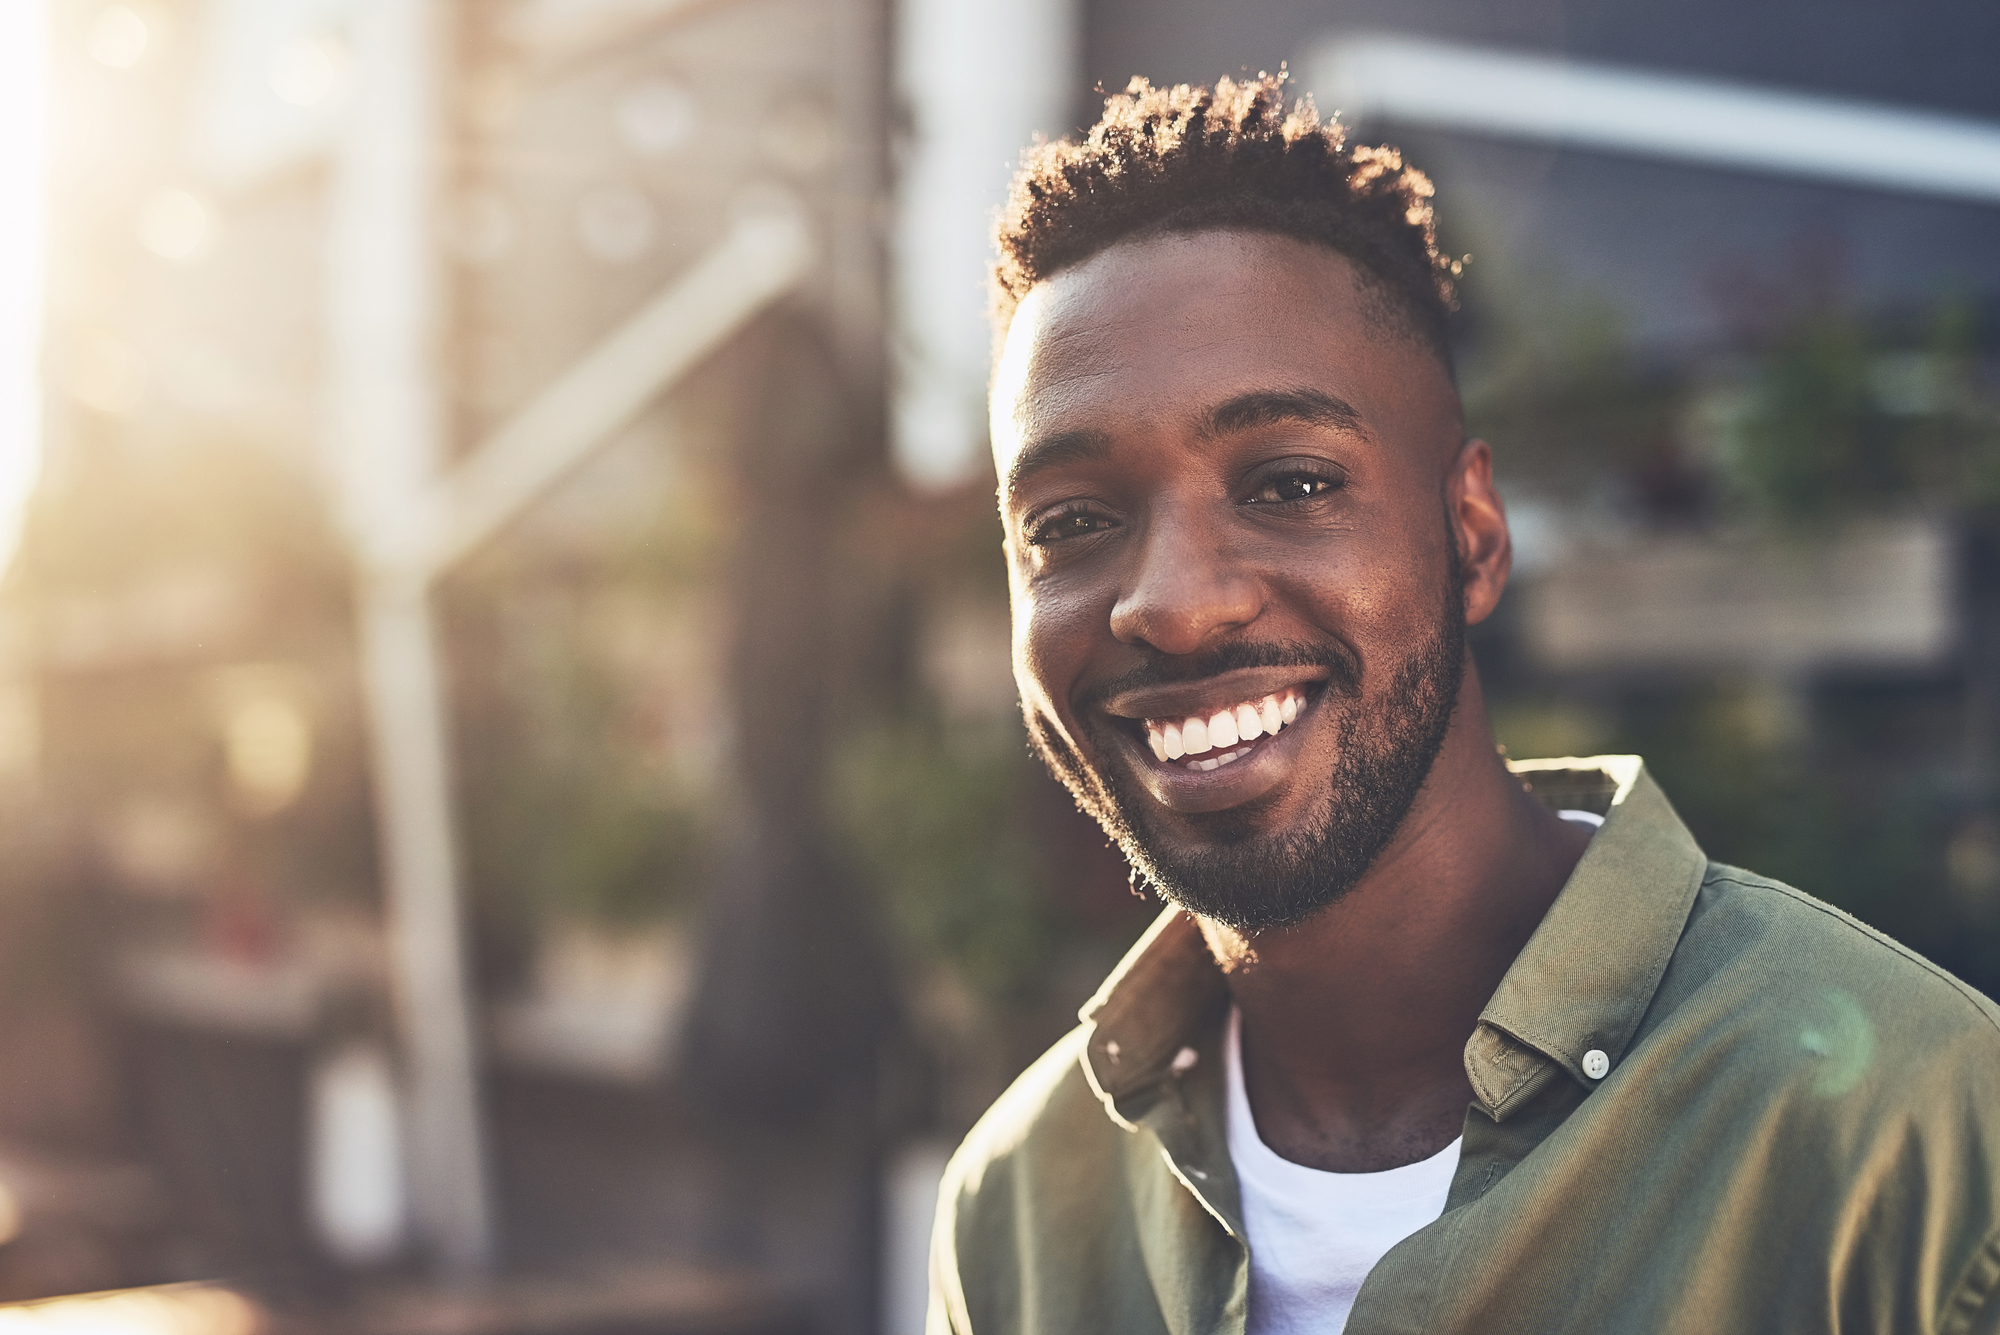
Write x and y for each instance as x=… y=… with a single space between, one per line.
x=1238 y=617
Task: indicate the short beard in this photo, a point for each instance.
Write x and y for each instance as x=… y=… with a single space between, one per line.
x=1257 y=882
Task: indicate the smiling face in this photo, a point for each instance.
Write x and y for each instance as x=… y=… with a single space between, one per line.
x=1239 y=610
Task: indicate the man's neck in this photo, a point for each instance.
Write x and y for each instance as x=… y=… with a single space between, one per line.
x=1355 y=1022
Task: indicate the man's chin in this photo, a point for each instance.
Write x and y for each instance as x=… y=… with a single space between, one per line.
x=1242 y=874
x=1230 y=865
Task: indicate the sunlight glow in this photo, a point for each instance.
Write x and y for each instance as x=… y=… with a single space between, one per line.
x=178 y=1309
x=118 y=37
x=23 y=196
x=174 y=225
x=309 y=70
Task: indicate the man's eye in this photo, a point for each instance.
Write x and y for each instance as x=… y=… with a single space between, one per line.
x=1073 y=523
x=1292 y=487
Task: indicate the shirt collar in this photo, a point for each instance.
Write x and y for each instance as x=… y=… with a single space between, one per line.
x=1581 y=983
x=1151 y=1006
x=1589 y=972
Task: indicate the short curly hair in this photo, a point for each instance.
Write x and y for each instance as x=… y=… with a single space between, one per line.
x=1187 y=159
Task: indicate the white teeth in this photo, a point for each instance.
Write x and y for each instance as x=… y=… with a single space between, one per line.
x=1249 y=723
x=1222 y=729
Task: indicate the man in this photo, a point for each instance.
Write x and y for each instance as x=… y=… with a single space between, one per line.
x=1425 y=1042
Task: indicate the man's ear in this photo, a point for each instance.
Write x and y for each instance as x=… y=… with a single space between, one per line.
x=1479 y=526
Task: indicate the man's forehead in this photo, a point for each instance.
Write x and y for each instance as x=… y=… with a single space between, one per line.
x=1198 y=318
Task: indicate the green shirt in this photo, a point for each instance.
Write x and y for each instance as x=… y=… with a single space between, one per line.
x=1799 y=1129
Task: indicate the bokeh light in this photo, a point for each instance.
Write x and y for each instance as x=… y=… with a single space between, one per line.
x=175 y=224
x=268 y=741
x=119 y=36
x=616 y=223
x=309 y=71
x=657 y=116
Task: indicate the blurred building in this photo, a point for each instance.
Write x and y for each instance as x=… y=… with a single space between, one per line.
x=569 y=317
x=1653 y=237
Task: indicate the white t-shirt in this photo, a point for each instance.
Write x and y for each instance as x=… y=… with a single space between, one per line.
x=1314 y=1235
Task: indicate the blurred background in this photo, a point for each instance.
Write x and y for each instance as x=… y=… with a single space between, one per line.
x=513 y=812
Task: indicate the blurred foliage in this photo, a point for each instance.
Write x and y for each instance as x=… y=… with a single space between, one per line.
x=1817 y=415
x=593 y=842
x=1839 y=422
x=935 y=817
x=567 y=816
x=571 y=649
x=1561 y=394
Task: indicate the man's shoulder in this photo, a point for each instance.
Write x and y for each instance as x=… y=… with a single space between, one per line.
x=1049 y=1119
x=1759 y=937
x=1051 y=1208
x=1036 y=1206
x=1820 y=1073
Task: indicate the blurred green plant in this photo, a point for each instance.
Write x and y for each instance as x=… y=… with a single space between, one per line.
x=1822 y=415
x=1840 y=423
x=572 y=845
x=935 y=817
x=568 y=815
x=586 y=690
x=1823 y=804
x=1560 y=393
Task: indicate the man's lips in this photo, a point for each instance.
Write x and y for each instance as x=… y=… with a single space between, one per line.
x=1209 y=695
x=1216 y=743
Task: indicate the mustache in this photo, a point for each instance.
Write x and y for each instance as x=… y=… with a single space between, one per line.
x=1340 y=663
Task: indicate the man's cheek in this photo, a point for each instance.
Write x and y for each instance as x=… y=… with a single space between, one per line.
x=1046 y=665
x=1035 y=701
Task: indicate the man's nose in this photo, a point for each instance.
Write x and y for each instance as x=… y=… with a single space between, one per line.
x=1185 y=589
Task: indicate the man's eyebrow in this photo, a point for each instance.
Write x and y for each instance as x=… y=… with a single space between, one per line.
x=1269 y=407
x=1062 y=448
x=1264 y=407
